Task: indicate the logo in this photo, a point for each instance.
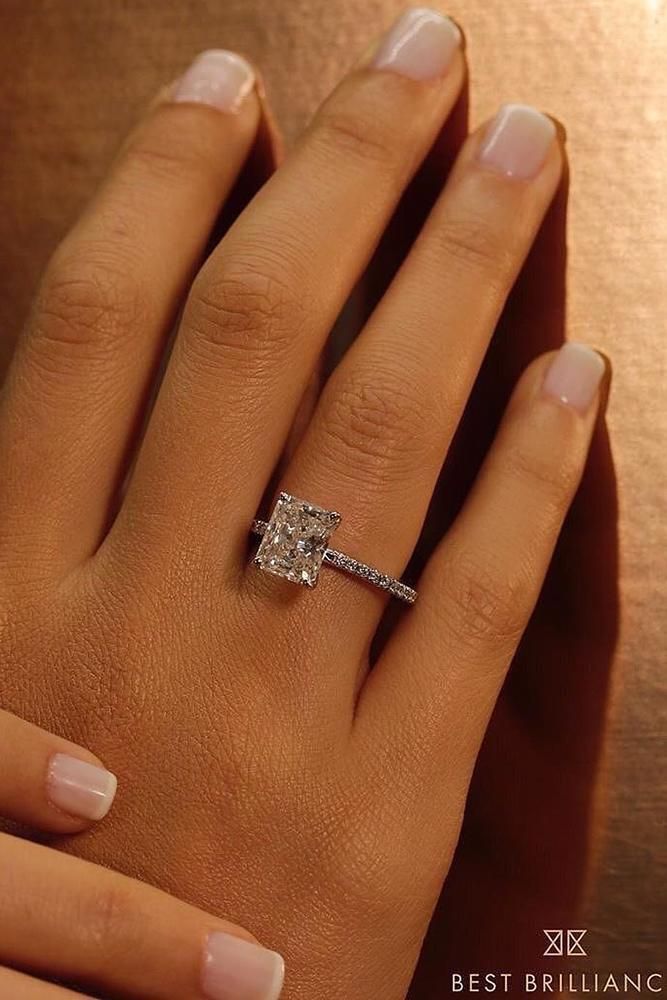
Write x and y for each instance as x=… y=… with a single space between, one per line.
x=534 y=983
x=561 y=943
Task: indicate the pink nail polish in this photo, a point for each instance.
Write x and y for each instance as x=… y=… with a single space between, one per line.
x=218 y=78
x=518 y=141
x=574 y=377
x=79 y=788
x=421 y=45
x=235 y=969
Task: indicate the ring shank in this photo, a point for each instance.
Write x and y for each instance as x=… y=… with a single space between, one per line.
x=369 y=574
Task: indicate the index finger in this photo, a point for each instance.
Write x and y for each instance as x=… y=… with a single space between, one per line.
x=49 y=783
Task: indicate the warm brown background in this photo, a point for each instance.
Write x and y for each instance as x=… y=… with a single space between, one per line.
x=74 y=76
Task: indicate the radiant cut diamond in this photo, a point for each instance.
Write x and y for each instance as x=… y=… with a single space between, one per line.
x=296 y=539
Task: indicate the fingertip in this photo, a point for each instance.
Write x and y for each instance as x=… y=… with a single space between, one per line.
x=573 y=378
x=235 y=966
x=219 y=79
x=79 y=788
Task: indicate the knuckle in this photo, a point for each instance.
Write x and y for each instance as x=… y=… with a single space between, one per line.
x=86 y=304
x=158 y=156
x=111 y=917
x=375 y=420
x=473 y=243
x=487 y=603
x=250 y=310
x=551 y=474
x=361 y=133
x=369 y=869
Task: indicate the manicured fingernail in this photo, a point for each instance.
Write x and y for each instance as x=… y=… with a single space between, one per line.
x=421 y=45
x=518 y=141
x=235 y=969
x=79 y=788
x=217 y=78
x=575 y=376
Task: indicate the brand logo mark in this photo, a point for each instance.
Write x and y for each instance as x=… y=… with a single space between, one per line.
x=567 y=942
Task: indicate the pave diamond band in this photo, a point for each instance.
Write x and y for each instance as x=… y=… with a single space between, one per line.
x=295 y=545
x=371 y=575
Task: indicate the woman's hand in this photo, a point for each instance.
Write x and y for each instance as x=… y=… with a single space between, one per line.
x=268 y=773
x=68 y=920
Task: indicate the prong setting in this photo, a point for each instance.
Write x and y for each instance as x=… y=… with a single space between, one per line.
x=296 y=539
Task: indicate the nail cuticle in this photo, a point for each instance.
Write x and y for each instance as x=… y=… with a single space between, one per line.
x=420 y=45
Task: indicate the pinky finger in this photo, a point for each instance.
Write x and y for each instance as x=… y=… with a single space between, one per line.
x=47 y=782
x=20 y=987
x=449 y=657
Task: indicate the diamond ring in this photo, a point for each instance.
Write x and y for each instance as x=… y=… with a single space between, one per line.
x=295 y=545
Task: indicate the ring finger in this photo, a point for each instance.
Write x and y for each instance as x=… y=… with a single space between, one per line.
x=380 y=433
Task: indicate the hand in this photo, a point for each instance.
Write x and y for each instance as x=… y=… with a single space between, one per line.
x=268 y=773
x=64 y=918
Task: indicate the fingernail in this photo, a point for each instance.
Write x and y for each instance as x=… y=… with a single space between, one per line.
x=420 y=45
x=79 y=788
x=518 y=141
x=235 y=969
x=575 y=376
x=218 y=78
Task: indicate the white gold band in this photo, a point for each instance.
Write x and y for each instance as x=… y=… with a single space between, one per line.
x=338 y=560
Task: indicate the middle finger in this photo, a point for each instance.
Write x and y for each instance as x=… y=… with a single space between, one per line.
x=262 y=307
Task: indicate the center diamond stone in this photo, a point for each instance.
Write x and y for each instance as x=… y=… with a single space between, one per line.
x=295 y=540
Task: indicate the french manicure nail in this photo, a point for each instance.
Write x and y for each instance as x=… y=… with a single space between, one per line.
x=574 y=376
x=79 y=788
x=218 y=78
x=518 y=141
x=420 y=45
x=235 y=969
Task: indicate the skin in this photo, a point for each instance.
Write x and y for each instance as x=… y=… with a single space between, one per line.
x=66 y=919
x=317 y=803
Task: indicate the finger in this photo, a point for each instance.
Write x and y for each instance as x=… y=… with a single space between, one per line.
x=48 y=783
x=16 y=986
x=263 y=305
x=379 y=436
x=74 y=921
x=438 y=681
x=75 y=391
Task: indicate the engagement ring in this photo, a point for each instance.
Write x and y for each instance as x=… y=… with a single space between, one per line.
x=295 y=545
